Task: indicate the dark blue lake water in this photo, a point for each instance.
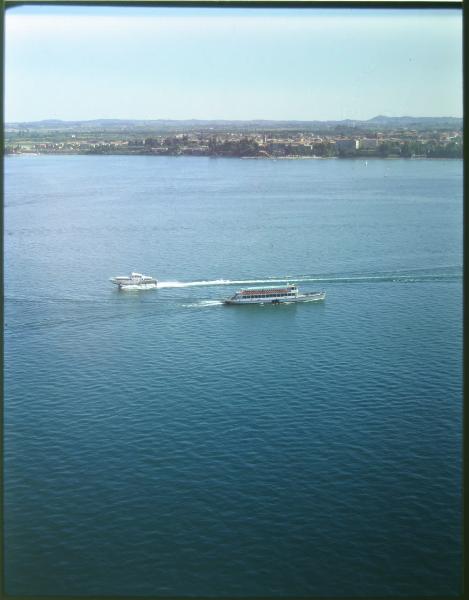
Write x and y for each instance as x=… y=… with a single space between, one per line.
x=160 y=443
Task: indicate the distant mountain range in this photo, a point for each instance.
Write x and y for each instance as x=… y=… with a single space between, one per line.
x=376 y=123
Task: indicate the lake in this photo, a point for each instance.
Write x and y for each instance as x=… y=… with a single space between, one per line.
x=161 y=443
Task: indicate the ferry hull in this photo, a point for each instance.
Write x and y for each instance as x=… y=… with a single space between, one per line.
x=313 y=297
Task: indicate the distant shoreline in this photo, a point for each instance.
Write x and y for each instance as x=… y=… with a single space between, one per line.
x=299 y=145
x=267 y=158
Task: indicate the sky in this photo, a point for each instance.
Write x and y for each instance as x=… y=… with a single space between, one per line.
x=80 y=63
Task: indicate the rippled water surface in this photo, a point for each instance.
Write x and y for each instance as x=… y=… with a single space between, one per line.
x=161 y=443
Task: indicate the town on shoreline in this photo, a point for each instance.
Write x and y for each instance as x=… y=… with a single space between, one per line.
x=393 y=138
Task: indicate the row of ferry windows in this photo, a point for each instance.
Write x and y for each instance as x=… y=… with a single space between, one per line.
x=269 y=295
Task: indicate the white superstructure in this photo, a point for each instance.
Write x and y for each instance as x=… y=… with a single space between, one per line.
x=135 y=281
x=274 y=295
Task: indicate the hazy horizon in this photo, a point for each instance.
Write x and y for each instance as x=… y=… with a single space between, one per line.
x=89 y=63
x=227 y=119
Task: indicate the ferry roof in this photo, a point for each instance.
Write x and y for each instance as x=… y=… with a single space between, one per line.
x=271 y=287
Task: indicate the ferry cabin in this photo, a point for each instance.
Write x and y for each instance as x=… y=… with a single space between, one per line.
x=267 y=293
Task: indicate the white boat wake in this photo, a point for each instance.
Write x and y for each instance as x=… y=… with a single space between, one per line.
x=204 y=304
x=185 y=284
x=353 y=278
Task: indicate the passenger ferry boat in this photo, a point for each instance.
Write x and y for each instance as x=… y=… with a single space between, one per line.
x=135 y=281
x=274 y=295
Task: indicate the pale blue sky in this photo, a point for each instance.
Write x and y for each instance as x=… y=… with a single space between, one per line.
x=169 y=63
